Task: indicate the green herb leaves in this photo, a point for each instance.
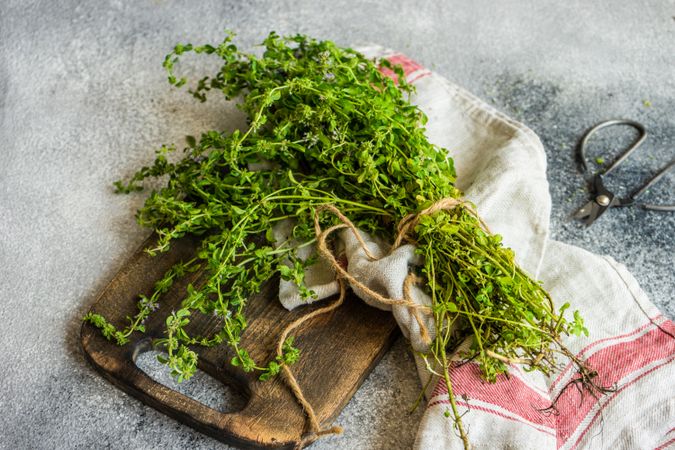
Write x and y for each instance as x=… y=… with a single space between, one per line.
x=326 y=127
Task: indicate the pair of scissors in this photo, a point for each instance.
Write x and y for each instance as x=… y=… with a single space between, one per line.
x=602 y=198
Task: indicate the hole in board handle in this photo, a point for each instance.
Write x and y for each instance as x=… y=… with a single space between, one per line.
x=202 y=387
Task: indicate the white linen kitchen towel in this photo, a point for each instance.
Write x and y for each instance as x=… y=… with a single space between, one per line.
x=501 y=167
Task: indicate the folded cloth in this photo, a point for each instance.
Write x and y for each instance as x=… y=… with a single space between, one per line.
x=371 y=266
x=501 y=168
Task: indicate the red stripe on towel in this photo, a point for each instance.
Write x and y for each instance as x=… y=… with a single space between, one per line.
x=510 y=394
x=652 y=322
x=612 y=397
x=665 y=445
x=409 y=67
x=613 y=364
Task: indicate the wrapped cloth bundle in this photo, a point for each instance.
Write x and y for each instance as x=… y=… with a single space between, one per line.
x=501 y=168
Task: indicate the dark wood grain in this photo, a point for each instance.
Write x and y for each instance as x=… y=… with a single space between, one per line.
x=339 y=349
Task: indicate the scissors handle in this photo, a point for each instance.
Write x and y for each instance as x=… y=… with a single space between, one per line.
x=608 y=123
x=653 y=180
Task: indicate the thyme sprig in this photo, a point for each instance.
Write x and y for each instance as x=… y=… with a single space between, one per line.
x=326 y=127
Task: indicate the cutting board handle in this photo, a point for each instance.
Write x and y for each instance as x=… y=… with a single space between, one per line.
x=257 y=425
x=338 y=350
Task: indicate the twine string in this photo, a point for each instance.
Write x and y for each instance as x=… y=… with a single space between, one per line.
x=405 y=226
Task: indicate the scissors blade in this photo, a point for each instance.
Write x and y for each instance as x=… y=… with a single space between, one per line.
x=594 y=209
x=587 y=213
x=602 y=200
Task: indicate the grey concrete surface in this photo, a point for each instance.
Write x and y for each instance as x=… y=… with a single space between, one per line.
x=83 y=101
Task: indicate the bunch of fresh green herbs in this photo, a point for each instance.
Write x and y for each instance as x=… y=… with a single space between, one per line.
x=326 y=127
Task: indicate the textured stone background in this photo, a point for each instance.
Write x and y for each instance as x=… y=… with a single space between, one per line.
x=83 y=100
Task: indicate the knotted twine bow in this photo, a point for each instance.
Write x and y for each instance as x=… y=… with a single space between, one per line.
x=404 y=228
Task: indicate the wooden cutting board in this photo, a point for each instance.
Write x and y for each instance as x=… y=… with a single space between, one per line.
x=339 y=349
